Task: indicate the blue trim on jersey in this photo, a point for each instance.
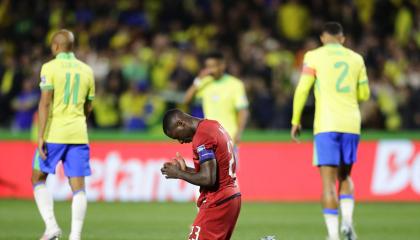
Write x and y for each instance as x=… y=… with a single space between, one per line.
x=346 y=196
x=330 y=211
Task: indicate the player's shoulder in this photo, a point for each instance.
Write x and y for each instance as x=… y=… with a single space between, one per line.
x=355 y=55
x=205 y=125
x=85 y=67
x=313 y=52
x=206 y=129
x=49 y=64
x=232 y=80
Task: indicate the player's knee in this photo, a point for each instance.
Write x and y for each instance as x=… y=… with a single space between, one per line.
x=344 y=173
x=37 y=177
x=343 y=177
x=77 y=183
x=330 y=198
x=329 y=193
x=328 y=185
x=33 y=179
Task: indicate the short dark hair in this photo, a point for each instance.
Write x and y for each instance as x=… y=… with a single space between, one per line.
x=333 y=28
x=215 y=55
x=168 y=119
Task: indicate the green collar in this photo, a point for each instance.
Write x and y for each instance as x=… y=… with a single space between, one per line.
x=333 y=45
x=65 y=55
x=222 y=78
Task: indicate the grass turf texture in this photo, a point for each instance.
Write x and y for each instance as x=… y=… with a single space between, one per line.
x=288 y=221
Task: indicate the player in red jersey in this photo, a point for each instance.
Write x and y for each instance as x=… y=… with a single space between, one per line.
x=214 y=160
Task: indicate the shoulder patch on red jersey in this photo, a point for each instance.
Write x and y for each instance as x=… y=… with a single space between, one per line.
x=205 y=154
x=201 y=148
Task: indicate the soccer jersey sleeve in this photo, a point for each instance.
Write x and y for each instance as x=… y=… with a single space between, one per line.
x=91 y=93
x=306 y=81
x=47 y=81
x=363 y=91
x=241 y=101
x=200 y=84
x=205 y=147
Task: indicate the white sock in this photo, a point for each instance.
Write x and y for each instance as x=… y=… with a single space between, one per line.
x=78 y=211
x=331 y=220
x=346 y=206
x=45 y=205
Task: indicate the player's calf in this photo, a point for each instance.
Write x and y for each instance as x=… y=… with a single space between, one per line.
x=45 y=206
x=78 y=207
x=329 y=200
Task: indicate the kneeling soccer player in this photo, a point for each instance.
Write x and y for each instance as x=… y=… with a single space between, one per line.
x=214 y=159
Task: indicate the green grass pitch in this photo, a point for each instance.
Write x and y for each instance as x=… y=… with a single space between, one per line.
x=150 y=221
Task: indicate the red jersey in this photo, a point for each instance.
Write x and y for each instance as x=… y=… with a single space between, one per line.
x=211 y=141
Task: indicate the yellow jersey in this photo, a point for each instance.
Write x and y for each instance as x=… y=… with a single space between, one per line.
x=340 y=79
x=73 y=83
x=222 y=99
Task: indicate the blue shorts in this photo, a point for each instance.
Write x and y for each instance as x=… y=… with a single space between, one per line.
x=75 y=158
x=334 y=148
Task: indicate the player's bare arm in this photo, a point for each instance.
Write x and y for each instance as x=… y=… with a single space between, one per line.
x=206 y=177
x=88 y=108
x=243 y=115
x=43 y=110
x=182 y=163
x=189 y=95
x=192 y=90
x=295 y=132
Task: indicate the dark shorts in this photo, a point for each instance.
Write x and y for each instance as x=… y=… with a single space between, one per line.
x=75 y=158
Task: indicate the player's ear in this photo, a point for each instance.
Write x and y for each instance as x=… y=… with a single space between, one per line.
x=180 y=123
x=342 y=39
x=54 y=48
x=321 y=38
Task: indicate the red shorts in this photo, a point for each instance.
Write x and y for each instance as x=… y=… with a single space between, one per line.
x=216 y=223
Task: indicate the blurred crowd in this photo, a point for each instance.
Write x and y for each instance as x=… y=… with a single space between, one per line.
x=145 y=54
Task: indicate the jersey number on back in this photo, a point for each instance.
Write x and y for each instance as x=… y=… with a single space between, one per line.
x=345 y=71
x=232 y=161
x=71 y=90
